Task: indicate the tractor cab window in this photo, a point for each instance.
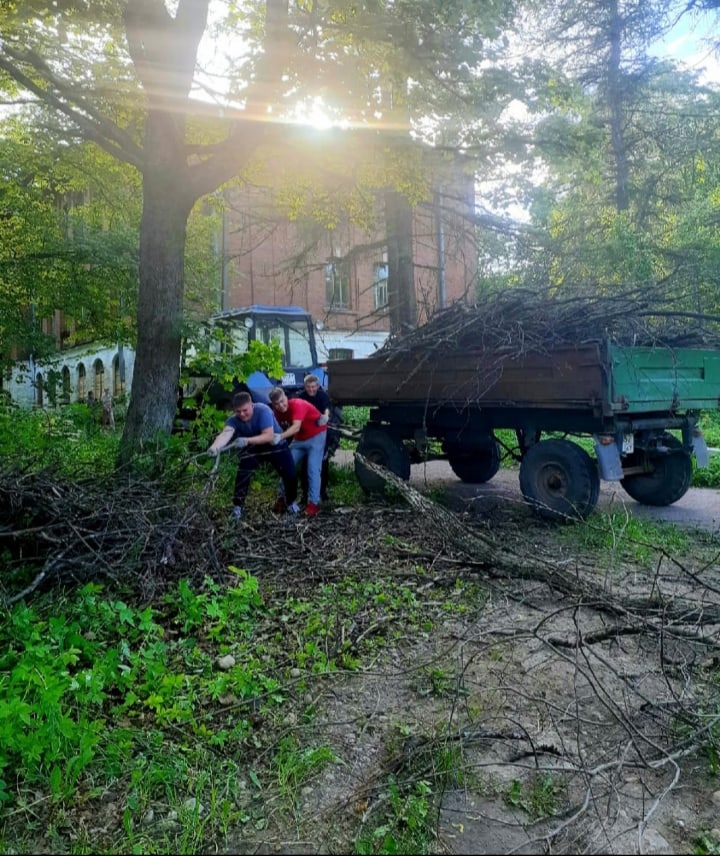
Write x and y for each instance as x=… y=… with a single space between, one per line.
x=239 y=335
x=293 y=336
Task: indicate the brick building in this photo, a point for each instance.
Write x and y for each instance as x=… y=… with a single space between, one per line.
x=341 y=275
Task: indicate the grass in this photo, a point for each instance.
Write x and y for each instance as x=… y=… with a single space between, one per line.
x=540 y=795
x=132 y=738
x=620 y=535
x=406 y=824
x=119 y=732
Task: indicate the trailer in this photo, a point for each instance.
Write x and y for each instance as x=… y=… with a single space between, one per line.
x=640 y=406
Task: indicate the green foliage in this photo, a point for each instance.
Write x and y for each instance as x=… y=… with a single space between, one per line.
x=355 y=417
x=344 y=488
x=296 y=765
x=409 y=823
x=68 y=439
x=703 y=728
x=216 y=357
x=710 y=426
x=709 y=476
x=618 y=535
x=438 y=682
x=74 y=671
x=216 y=610
x=539 y=795
x=70 y=243
x=631 y=185
x=706 y=844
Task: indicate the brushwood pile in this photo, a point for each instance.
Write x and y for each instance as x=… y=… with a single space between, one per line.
x=518 y=321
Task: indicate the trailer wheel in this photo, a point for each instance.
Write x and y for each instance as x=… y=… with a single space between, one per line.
x=669 y=479
x=559 y=479
x=476 y=466
x=381 y=448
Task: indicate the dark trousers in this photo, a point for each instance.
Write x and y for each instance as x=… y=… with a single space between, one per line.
x=279 y=459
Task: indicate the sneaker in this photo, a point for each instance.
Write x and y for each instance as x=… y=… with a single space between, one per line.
x=236 y=513
x=311 y=509
x=280 y=506
x=293 y=508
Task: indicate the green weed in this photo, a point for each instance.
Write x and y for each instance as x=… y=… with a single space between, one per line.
x=706 y=844
x=343 y=487
x=620 y=535
x=539 y=795
x=438 y=682
x=295 y=765
x=66 y=440
x=407 y=826
x=107 y=700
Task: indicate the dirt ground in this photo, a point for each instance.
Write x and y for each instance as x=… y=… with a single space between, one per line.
x=557 y=721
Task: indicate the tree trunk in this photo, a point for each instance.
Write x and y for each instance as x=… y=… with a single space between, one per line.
x=402 y=302
x=615 y=103
x=166 y=206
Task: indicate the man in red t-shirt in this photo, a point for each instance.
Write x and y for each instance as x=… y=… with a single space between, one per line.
x=299 y=421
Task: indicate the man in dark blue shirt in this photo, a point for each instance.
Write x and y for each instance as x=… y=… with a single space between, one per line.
x=254 y=430
x=317 y=396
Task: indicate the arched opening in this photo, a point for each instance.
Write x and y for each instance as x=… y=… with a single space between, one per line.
x=39 y=390
x=66 y=387
x=81 y=383
x=99 y=379
x=117 y=380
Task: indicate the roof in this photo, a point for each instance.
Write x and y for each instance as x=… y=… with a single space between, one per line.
x=260 y=309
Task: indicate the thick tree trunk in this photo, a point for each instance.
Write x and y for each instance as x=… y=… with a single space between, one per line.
x=166 y=206
x=402 y=303
x=615 y=103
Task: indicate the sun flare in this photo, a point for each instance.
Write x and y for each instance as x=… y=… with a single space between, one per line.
x=314 y=113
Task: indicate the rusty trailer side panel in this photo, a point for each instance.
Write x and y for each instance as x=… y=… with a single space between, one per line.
x=570 y=378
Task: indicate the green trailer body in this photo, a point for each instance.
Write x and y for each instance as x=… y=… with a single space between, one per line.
x=646 y=380
x=640 y=406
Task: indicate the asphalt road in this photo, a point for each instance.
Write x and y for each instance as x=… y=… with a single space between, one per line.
x=698 y=509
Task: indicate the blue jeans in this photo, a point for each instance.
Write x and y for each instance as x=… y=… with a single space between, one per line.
x=312 y=449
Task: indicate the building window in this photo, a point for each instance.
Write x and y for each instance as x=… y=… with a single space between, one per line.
x=52 y=383
x=340 y=354
x=117 y=379
x=99 y=382
x=337 y=284
x=66 y=385
x=380 y=285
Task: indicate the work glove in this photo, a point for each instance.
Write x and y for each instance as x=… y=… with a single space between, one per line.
x=213 y=452
x=323 y=420
x=240 y=443
x=277 y=438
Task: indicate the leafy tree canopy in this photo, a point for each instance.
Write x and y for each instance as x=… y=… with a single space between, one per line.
x=128 y=77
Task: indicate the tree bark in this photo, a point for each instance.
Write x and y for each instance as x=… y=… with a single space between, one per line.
x=402 y=302
x=163 y=50
x=615 y=103
x=166 y=206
